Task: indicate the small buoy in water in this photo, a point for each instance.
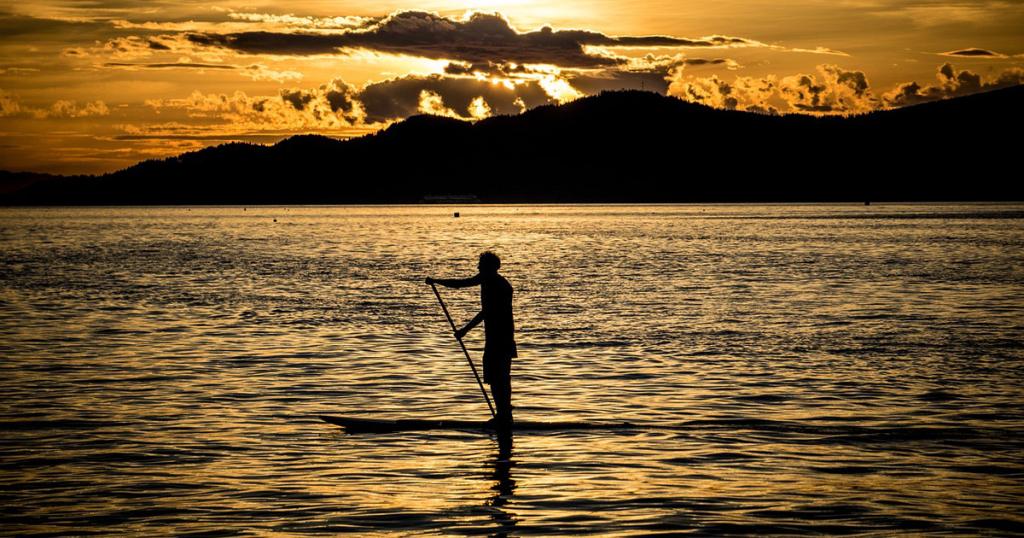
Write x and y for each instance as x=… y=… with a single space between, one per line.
x=867 y=203
x=275 y=220
x=456 y=214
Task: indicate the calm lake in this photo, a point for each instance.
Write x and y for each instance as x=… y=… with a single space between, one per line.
x=801 y=369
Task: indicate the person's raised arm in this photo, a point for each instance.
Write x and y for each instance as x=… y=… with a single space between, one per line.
x=455 y=282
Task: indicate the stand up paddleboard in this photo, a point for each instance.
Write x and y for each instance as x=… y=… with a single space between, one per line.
x=366 y=425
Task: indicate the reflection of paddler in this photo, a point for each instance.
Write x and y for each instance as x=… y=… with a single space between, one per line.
x=504 y=487
x=499 y=330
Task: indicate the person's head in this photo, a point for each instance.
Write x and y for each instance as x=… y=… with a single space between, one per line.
x=489 y=262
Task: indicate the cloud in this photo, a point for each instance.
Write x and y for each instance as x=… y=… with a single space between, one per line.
x=336 y=98
x=339 y=105
x=401 y=97
x=951 y=83
x=71 y=109
x=290 y=20
x=593 y=83
x=17 y=71
x=465 y=90
x=182 y=131
x=973 y=53
x=74 y=52
x=262 y=72
x=133 y=47
x=11 y=106
x=832 y=90
x=342 y=97
x=253 y=71
x=331 y=106
x=815 y=50
x=649 y=73
x=476 y=38
x=237 y=21
x=154 y=49
x=167 y=131
x=291 y=110
x=744 y=93
x=297 y=98
x=168 y=52
x=29 y=28
x=127 y=48
x=171 y=65
x=432 y=103
x=479 y=109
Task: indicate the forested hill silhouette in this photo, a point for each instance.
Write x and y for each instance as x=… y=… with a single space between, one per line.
x=625 y=146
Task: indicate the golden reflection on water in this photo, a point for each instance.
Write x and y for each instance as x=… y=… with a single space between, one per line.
x=808 y=368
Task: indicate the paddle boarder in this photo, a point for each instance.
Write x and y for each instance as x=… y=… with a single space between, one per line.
x=499 y=330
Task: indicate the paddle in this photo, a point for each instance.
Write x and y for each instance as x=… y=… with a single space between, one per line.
x=464 y=350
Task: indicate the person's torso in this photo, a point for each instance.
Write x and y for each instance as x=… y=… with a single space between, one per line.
x=496 y=303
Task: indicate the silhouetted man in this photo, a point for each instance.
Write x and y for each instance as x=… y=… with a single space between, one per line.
x=499 y=330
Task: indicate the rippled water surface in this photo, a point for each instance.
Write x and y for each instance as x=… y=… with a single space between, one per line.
x=798 y=369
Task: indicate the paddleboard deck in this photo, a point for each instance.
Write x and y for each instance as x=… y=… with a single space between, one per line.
x=366 y=425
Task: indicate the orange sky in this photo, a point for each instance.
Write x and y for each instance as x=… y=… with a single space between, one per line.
x=88 y=87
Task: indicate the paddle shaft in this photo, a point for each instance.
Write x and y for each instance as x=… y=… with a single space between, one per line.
x=464 y=350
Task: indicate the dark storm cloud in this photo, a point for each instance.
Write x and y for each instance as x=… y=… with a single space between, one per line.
x=400 y=97
x=974 y=53
x=480 y=38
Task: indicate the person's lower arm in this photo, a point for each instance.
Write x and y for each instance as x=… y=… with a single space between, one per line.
x=476 y=320
x=469 y=326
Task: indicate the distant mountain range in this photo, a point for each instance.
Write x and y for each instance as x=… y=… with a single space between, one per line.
x=623 y=146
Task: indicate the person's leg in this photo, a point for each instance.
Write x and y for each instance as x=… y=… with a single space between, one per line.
x=502 y=392
x=501 y=389
x=497 y=374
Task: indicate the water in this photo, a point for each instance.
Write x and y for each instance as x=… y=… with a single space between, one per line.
x=807 y=369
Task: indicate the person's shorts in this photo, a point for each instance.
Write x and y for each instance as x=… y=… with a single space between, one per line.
x=497 y=371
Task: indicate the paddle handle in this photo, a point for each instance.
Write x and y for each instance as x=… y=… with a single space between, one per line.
x=464 y=350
